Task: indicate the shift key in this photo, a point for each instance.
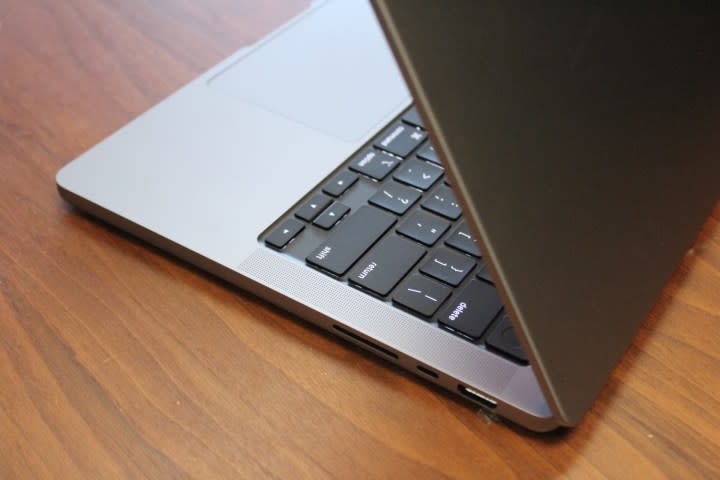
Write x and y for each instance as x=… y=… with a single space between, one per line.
x=350 y=240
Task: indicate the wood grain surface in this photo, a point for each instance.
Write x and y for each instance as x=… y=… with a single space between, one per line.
x=117 y=361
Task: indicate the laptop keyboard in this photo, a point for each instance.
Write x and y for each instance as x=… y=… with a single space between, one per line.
x=387 y=223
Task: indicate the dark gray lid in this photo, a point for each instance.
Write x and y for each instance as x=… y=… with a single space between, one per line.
x=584 y=142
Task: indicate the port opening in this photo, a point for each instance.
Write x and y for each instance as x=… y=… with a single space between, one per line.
x=365 y=342
x=427 y=371
x=476 y=396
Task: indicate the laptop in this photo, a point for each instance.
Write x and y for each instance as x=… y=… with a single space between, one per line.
x=487 y=195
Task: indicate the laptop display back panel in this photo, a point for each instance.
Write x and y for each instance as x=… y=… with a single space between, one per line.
x=585 y=144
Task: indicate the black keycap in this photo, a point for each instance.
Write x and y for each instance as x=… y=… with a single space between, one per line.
x=503 y=338
x=463 y=240
x=418 y=173
x=331 y=215
x=313 y=207
x=284 y=232
x=427 y=152
x=374 y=164
x=448 y=266
x=424 y=227
x=400 y=139
x=443 y=202
x=395 y=197
x=421 y=295
x=386 y=264
x=350 y=240
x=340 y=183
x=472 y=310
x=484 y=274
x=413 y=118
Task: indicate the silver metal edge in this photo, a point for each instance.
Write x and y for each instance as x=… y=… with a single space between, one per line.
x=514 y=387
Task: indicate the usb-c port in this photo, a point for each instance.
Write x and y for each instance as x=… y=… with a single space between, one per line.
x=477 y=396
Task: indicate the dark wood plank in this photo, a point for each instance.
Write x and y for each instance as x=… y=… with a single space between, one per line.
x=117 y=361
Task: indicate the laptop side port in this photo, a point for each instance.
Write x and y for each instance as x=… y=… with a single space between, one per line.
x=427 y=371
x=476 y=396
x=365 y=342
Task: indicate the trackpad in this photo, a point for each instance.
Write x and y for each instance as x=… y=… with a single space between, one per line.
x=332 y=71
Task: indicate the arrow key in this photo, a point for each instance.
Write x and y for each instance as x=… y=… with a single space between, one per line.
x=340 y=183
x=313 y=207
x=331 y=216
x=284 y=232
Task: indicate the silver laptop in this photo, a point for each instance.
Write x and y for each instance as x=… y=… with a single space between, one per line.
x=502 y=236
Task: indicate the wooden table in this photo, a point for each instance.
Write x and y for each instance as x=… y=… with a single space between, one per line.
x=117 y=361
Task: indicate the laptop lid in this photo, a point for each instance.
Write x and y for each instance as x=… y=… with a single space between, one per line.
x=584 y=142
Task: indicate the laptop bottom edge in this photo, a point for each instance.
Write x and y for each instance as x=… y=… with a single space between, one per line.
x=513 y=394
